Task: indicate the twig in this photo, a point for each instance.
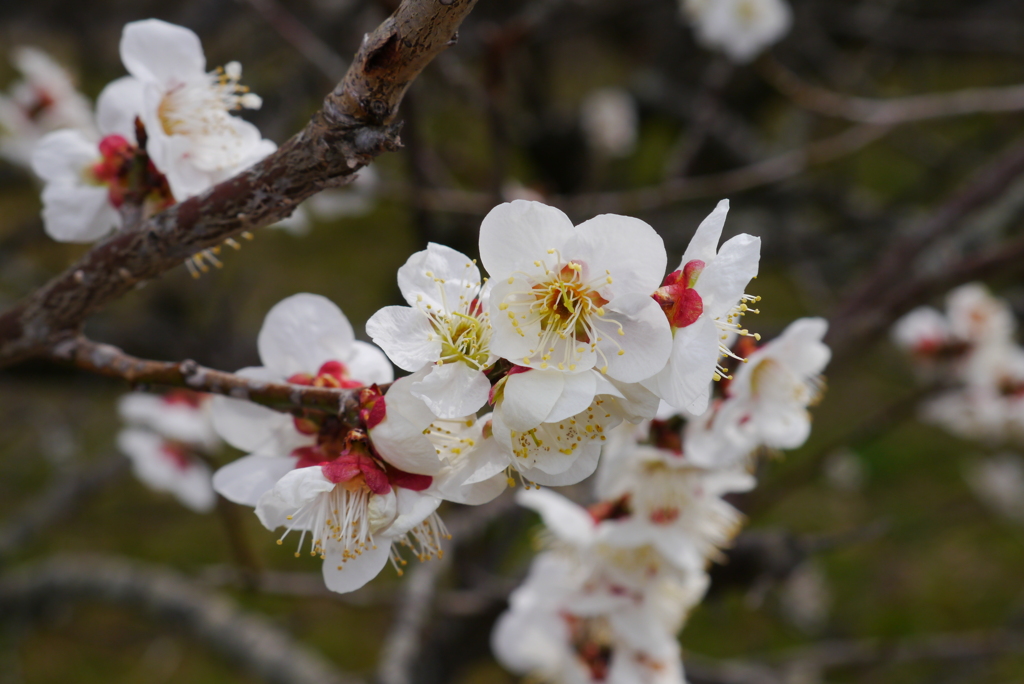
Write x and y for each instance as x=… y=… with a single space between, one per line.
x=778 y=168
x=892 y=111
x=355 y=125
x=104 y=359
x=252 y=641
x=55 y=504
x=295 y=33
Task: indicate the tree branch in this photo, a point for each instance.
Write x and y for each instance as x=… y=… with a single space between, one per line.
x=210 y=619
x=104 y=359
x=354 y=125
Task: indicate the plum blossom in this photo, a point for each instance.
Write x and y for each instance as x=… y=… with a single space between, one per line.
x=770 y=392
x=998 y=483
x=609 y=121
x=741 y=29
x=193 y=139
x=361 y=492
x=164 y=440
x=704 y=300
x=558 y=629
x=446 y=328
x=45 y=100
x=552 y=425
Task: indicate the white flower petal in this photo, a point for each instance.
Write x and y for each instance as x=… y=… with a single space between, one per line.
x=413 y=508
x=723 y=282
x=246 y=479
x=577 y=394
x=406 y=336
x=529 y=398
x=118 y=105
x=691 y=366
x=343 y=576
x=157 y=51
x=294 y=490
x=582 y=467
x=568 y=521
x=451 y=275
x=521 y=232
x=368 y=365
x=704 y=243
x=628 y=248
x=254 y=428
x=62 y=156
x=646 y=338
x=399 y=438
x=453 y=390
x=301 y=333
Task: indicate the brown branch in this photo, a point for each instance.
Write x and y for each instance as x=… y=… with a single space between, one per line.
x=354 y=125
x=773 y=170
x=252 y=641
x=104 y=359
x=890 y=112
x=881 y=294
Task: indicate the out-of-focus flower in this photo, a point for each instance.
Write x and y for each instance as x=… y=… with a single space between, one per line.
x=45 y=100
x=703 y=301
x=446 y=328
x=609 y=120
x=741 y=29
x=164 y=440
x=193 y=139
x=998 y=482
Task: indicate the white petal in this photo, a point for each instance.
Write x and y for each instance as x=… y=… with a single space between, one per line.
x=587 y=458
x=413 y=508
x=78 y=213
x=302 y=332
x=118 y=105
x=406 y=336
x=246 y=479
x=63 y=155
x=399 y=438
x=577 y=394
x=691 y=366
x=254 y=428
x=646 y=338
x=506 y=340
x=294 y=490
x=568 y=521
x=723 y=282
x=367 y=364
x=453 y=390
x=628 y=248
x=515 y=234
x=356 y=572
x=452 y=275
x=529 y=398
x=157 y=51
x=704 y=243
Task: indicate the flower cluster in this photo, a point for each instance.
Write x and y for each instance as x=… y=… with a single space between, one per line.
x=166 y=132
x=575 y=332
x=604 y=602
x=167 y=440
x=972 y=346
x=739 y=28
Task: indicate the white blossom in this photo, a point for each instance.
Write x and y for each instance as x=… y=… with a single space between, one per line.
x=741 y=29
x=609 y=120
x=446 y=328
x=704 y=300
x=164 y=440
x=45 y=100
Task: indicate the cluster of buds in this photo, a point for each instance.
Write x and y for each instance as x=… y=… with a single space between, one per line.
x=606 y=599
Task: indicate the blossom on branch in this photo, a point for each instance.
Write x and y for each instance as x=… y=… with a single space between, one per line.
x=165 y=439
x=741 y=29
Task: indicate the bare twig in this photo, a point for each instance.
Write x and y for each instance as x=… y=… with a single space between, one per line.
x=892 y=111
x=210 y=619
x=306 y=43
x=355 y=125
x=104 y=359
x=57 y=503
x=778 y=168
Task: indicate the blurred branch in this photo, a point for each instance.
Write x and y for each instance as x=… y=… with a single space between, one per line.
x=251 y=641
x=57 y=503
x=104 y=359
x=673 y=191
x=295 y=33
x=879 y=296
x=355 y=125
x=890 y=112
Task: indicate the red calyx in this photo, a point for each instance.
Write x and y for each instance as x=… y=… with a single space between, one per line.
x=184 y=397
x=372 y=408
x=349 y=466
x=677 y=298
x=178 y=454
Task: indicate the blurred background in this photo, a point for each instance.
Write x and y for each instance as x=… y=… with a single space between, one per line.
x=867 y=557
